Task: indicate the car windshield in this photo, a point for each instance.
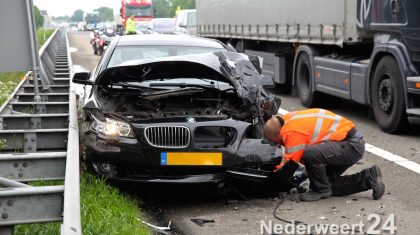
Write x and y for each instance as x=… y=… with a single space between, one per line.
x=126 y=53
x=139 y=10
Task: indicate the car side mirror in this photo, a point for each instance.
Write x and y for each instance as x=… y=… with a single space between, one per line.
x=82 y=78
x=267 y=82
x=182 y=25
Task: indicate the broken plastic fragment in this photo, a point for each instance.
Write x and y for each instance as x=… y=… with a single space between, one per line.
x=201 y=222
x=158 y=227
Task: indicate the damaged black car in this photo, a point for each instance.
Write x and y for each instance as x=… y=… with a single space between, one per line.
x=188 y=119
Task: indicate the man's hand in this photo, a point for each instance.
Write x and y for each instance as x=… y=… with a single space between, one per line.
x=281 y=164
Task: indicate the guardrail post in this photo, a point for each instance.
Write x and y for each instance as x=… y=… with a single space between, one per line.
x=33 y=43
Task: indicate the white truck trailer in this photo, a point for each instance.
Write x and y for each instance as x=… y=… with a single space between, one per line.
x=367 y=51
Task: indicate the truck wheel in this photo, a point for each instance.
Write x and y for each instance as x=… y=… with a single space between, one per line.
x=388 y=96
x=304 y=81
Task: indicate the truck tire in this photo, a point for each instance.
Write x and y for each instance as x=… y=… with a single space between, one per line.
x=388 y=100
x=304 y=80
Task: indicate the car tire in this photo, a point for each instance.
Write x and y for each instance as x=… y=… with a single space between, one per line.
x=388 y=100
x=305 y=81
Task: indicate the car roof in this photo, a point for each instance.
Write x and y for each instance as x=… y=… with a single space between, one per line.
x=162 y=39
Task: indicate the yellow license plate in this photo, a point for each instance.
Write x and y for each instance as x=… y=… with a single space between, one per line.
x=190 y=159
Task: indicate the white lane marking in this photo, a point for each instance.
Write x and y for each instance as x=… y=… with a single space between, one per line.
x=410 y=165
x=73 y=49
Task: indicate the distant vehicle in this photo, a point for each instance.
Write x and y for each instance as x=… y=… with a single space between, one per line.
x=364 y=51
x=73 y=26
x=90 y=27
x=81 y=26
x=143 y=27
x=176 y=119
x=91 y=17
x=186 y=22
x=163 y=25
x=101 y=38
x=141 y=9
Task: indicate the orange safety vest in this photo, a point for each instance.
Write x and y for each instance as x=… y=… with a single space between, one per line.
x=311 y=126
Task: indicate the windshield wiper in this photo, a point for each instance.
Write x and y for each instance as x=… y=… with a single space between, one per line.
x=181 y=85
x=126 y=85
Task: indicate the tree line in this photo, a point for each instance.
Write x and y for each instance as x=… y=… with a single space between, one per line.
x=162 y=9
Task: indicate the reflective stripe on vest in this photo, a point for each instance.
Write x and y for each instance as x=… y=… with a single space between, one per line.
x=318 y=125
x=295 y=148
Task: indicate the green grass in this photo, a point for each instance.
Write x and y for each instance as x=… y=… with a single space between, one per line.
x=43 y=35
x=104 y=210
x=8 y=81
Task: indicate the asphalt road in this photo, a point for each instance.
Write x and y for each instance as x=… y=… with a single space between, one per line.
x=180 y=204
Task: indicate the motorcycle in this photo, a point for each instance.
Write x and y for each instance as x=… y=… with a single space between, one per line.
x=94 y=38
x=102 y=41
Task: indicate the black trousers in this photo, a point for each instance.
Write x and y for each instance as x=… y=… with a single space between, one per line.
x=327 y=161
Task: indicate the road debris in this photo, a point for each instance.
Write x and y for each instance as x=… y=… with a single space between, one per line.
x=334 y=210
x=322 y=217
x=231 y=201
x=158 y=227
x=201 y=222
x=352 y=200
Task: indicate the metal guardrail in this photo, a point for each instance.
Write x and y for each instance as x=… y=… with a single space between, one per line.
x=42 y=145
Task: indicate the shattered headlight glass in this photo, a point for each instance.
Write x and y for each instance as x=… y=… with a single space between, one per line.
x=112 y=128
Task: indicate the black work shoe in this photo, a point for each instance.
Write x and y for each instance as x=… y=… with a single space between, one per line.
x=378 y=187
x=311 y=196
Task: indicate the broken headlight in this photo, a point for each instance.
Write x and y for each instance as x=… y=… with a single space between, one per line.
x=112 y=128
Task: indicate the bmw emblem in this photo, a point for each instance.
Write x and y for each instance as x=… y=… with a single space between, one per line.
x=190 y=120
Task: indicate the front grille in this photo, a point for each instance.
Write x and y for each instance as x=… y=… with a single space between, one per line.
x=168 y=136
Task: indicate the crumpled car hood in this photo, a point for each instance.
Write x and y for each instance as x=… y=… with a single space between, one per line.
x=237 y=69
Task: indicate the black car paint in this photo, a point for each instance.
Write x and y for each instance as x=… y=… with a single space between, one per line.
x=133 y=159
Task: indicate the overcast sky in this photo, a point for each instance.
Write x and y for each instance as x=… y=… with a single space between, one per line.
x=67 y=7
